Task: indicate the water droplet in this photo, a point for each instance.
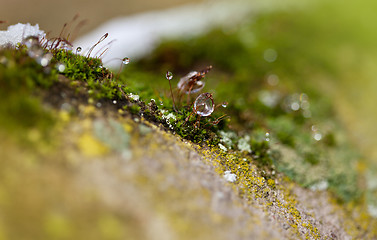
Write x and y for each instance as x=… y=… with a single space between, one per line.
x=65 y=46
x=45 y=59
x=304 y=97
x=60 y=67
x=204 y=104
x=126 y=60
x=317 y=136
x=269 y=98
x=78 y=49
x=272 y=79
x=267 y=136
x=114 y=101
x=304 y=101
x=270 y=55
x=35 y=51
x=187 y=85
x=169 y=75
x=295 y=106
x=31 y=41
x=224 y=104
x=307 y=113
x=66 y=107
x=3 y=60
x=99 y=104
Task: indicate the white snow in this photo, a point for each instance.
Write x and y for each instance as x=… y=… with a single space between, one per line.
x=134 y=96
x=227 y=138
x=16 y=33
x=222 y=147
x=320 y=186
x=243 y=144
x=372 y=209
x=230 y=177
x=170 y=116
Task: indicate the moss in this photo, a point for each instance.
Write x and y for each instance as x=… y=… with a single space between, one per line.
x=134 y=109
x=20 y=79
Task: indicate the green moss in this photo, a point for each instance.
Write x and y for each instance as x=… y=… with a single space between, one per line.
x=79 y=67
x=20 y=79
x=100 y=82
x=134 y=109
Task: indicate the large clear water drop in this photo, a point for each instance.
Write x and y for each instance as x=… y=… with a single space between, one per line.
x=204 y=104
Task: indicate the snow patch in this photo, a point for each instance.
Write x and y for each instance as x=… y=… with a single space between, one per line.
x=320 y=186
x=222 y=147
x=18 y=32
x=243 y=144
x=230 y=177
x=134 y=97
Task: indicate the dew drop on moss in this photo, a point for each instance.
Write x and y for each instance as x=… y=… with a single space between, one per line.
x=45 y=59
x=272 y=79
x=35 y=51
x=187 y=86
x=31 y=41
x=169 y=75
x=204 y=105
x=267 y=136
x=3 y=60
x=126 y=60
x=270 y=55
x=60 y=67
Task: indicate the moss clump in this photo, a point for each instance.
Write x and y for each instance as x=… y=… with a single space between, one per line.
x=20 y=79
x=100 y=82
x=78 y=67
